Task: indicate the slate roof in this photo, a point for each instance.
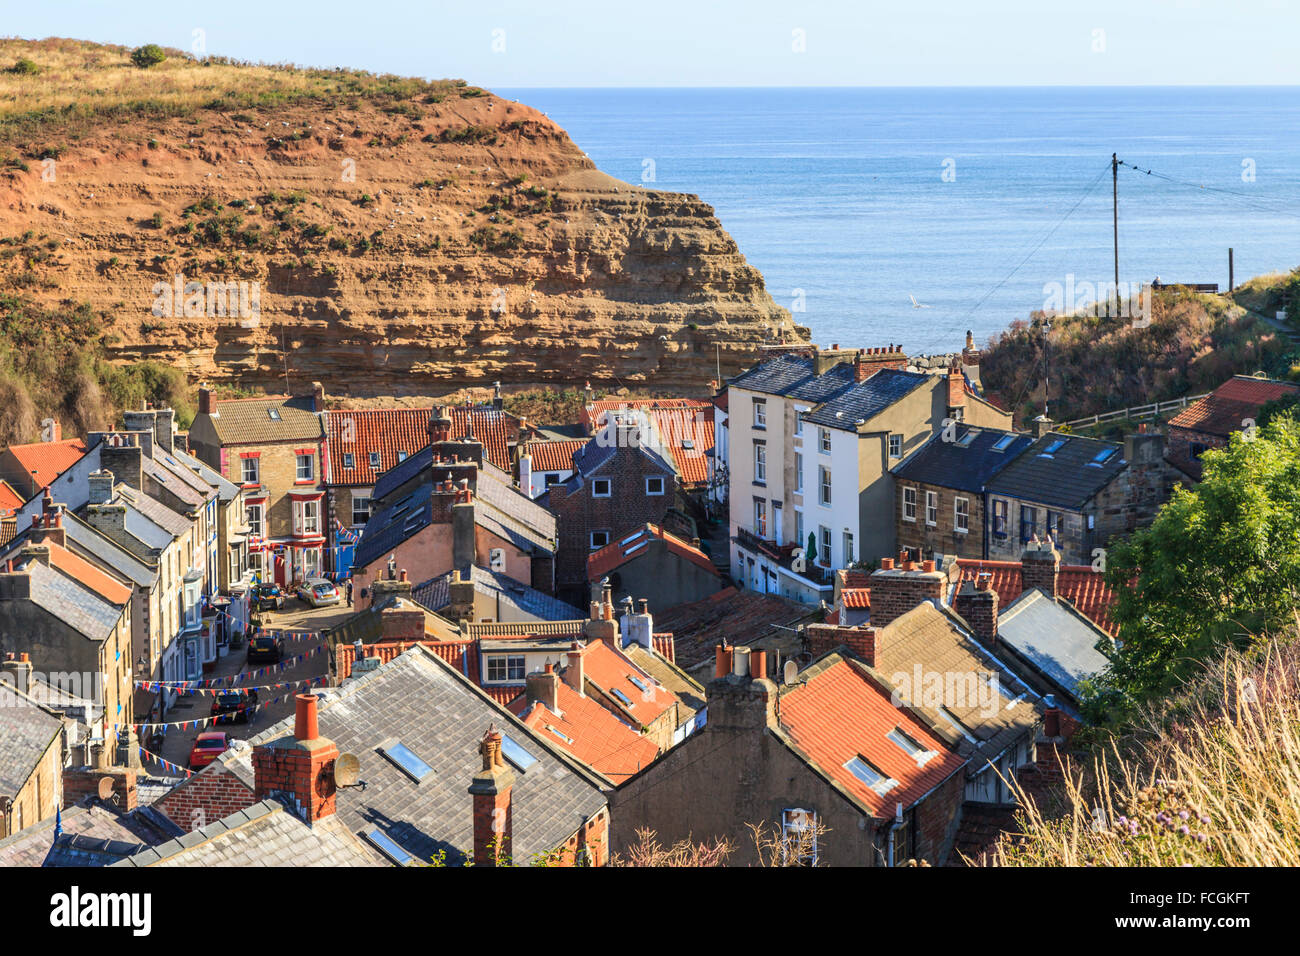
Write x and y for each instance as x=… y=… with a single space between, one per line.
x=841 y=710
x=435 y=594
x=1079 y=584
x=78 y=569
x=1066 y=479
x=491 y=427
x=388 y=528
x=738 y=617
x=265 y=834
x=94 y=834
x=26 y=732
x=1056 y=640
x=106 y=551
x=1223 y=410
x=440 y=715
x=866 y=400
x=793 y=376
x=247 y=421
x=689 y=692
x=965 y=466
x=46 y=460
x=630 y=547
x=75 y=605
x=931 y=638
x=226 y=489
x=153 y=509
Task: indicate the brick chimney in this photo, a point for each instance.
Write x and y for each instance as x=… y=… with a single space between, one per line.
x=544 y=689
x=101 y=487
x=862 y=641
x=574 y=674
x=602 y=626
x=108 y=520
x=47 y=527
x=977 y=603
x=206 y=405
x=737 y=700
x=970 y=355
x=143 y=419
x=956 y=390
x=388 y=585
x=638 y=627
x=895 y=590
x=15 y=583
x=461 y=593
x=299 y=769
x=164 y=431
x=492 y=812
x=126 y=461
x=17 y=671
x=1041 y=426
x=869 y=361
x=317 y=397
x=1040 y=567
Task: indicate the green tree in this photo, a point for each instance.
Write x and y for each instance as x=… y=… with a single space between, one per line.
x=1219 y=565
x=151 y=54
x=812 y=547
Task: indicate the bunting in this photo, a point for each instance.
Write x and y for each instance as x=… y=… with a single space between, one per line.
x=165 y=764
x=200 y=723
x=186 y=686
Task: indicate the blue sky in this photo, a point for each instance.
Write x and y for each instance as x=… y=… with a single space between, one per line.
x=495 y=43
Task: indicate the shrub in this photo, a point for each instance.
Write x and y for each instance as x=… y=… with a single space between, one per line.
x=151 y=54
x=24 y=67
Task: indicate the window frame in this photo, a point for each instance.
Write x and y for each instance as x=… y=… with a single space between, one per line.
x=595 y=487
x=256 y=469
x=909 y=505
x=658 y=478
x=358 y=498
x=760 y=413
x=999 y=522
x=895 y=438
x=823 y=440
x=298 y=476
x=760 y=463
x=591 y=539
x=824 y=485
x=961 y=515
x=932 y=509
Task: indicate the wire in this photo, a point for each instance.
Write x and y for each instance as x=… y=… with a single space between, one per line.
x=1261 y=205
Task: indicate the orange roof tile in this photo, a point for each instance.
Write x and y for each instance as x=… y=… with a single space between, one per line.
x=388 y=431
x=840 y=713
x=554 y=455
x=1223 y=410
x=856 y=597
x=590 y=733
x=617 y=553
x=453 y=652
x=87 y=575
x=46 y=460
x=1079 y=584
x=10 y=500
x=612 y=672
x=685 y=426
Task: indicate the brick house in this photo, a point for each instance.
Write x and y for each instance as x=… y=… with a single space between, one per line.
x=620 y=482
x=939 y=490
x=1207 y=423
x=272 y=448
x=682 y=426
x=1081 y=492
x=830 y=752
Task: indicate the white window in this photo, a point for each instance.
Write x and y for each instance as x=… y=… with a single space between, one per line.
x=360 y=509
x=599 y=539
x=760 y=413
x=252 y=473
x=309 y=517
x=348 y=460
x=798 y=421
x=600 y=488
x=401 y=456
x=253 y=513
x=961 y=514
x=880 y=782
x=999 y=518
x=909 y=504
x=798 y=837
x=306 y=469
x=825 y=553
x=848 y=548
x=760 y=517
x=505 y=668
x=931 y=508
x=760 y=463
x=799 y=538
x=825 y=482
x=798 y=471
x=311 y=563
x=895 y=446
x=824 y=439
x=654 y=486
x=374 y=459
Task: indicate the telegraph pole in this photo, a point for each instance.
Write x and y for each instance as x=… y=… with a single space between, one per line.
x=1114 y=191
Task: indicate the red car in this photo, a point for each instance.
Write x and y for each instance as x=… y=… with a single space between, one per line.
x=208 y=747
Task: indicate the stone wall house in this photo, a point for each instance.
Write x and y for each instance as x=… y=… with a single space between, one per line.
x=31 y=753
x=652 y=561
x=1207 y=423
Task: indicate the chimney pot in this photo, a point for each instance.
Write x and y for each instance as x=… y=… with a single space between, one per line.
x=886 y=564
x=305 y=725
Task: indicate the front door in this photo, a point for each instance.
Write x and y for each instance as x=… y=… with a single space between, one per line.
x=777 y=511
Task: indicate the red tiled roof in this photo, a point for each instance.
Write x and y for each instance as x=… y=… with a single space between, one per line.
x=665 y=646
x=840 y=713
x=554 y=455
x=392 y=430
x=617 y=553
x=453 y=652
x=1077 y=583
x=10 y=500
x=1223 y=410
x=595 y=736
x=679 y=421
x=612 y=671
x=856 y=598
x=46 y=460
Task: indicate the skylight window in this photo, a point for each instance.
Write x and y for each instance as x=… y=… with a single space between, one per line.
x=956 y=724
x=559 y=733
x=388 y=848
x=640 y=684
x=1053 y=448
x=516 y=754
x=869 y=775
x=621 y=696
x=1003 y=443
x=911 y=747
x=273 y=414
x=1102 y=457
x=966 y=439
x=407 y=761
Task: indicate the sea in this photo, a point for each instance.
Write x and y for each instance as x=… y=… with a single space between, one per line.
x=911 y=215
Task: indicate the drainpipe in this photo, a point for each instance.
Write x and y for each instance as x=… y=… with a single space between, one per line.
x=893 y=828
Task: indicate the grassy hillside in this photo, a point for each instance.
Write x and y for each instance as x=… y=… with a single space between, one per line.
x=1093 y=365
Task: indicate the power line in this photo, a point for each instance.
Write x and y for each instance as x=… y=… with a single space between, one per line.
x=1253 y=202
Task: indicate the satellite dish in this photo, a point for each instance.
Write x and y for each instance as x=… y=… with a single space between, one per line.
x=105 y=787
x=346 y=770
x=791 y=672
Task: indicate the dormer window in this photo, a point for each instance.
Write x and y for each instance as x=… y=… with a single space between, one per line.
x=374 y=459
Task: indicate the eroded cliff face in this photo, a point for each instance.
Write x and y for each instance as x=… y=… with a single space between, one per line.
x=414 y=250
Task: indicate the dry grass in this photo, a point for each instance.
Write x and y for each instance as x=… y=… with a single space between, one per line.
x=81 y=82
x=1215 y=782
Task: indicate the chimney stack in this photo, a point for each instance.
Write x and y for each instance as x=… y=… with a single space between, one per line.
x=206 y=405
x=863 y=642
x=740 y=699
x=125 y=461
x=17 y=671
x=1042 y=425
x=463 y=529
x=1040 y=567
x=439 y=426
x=492 y=811
x=977 y=603
x=317 y=397
x=299 y=769
x=544 y=689
x=897 y=588
x=101 y=487
x=574 y=674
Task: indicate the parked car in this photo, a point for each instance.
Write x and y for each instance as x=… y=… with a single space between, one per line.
x=268 y=597
x=266 y=647
x=318 y=592
x=208 y=747
x=234 y=706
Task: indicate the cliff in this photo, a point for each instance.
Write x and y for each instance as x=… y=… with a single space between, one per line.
x=393 y=235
